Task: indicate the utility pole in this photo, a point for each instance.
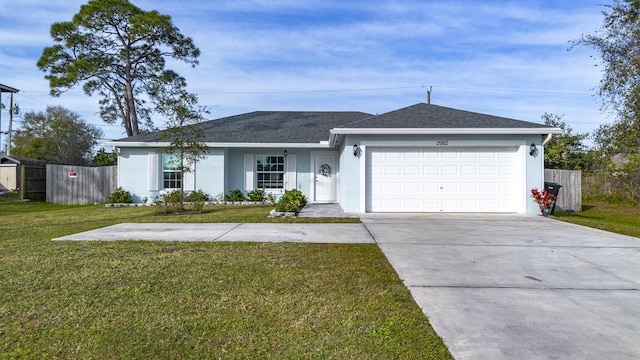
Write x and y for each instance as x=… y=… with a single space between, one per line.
x=1 y=107
x=10 y=124
x=9 y=89
x=429 y=95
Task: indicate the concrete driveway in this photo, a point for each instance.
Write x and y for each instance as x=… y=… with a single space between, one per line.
x=516 y=286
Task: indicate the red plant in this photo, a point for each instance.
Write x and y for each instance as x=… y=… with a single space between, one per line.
x=543 y=198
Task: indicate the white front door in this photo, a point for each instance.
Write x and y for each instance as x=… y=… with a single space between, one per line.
x=325 y=178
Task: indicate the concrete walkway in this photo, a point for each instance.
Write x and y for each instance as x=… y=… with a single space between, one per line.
x=324 y=210
x=311 y=233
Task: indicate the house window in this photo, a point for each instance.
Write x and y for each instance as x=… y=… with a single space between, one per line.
x=171 y=175
x=270 y=172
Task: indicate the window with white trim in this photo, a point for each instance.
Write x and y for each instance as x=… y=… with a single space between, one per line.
x=171 y=175
x=270 y=172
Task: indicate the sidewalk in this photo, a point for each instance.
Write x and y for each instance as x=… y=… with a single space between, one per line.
x=210 y=232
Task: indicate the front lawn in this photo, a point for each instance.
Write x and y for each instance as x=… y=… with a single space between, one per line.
x=133 y=299
x=612 y=215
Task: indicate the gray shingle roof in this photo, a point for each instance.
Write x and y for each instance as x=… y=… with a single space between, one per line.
x=433 y=116
x=314 y=126
x=269 y=127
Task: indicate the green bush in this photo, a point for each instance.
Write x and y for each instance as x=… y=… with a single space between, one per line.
x=120 y=196
x=172 y=197
x=197 y=199
x=235 y=195
x=170 y=202
x=257 y=195
x=292 y=201
x=198 y=196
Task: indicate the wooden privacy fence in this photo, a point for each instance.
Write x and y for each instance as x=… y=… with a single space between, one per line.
x=33 y=182
x=80 y=185
x=570 y=195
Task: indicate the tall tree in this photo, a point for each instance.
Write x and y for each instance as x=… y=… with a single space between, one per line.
x=618 y=44
x=57 y=135
x=118 y=50
x=183 y=117
x=563 y=151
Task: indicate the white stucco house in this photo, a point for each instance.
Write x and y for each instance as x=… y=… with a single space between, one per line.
x=421 y=158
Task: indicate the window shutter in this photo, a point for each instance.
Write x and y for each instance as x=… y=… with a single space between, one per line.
x=190 y=179
x=248 y=172
x=290 y=176
x=154 y=172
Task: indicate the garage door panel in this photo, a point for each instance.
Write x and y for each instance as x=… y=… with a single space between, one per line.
x=430 y=170
x=412 y=187
x=440 y=180
x=468 y=170
x=469 y=187
x=504 y=170
x=393 y=170
x=487 y=170
x=430 y=187
x=449 y=154
x=488 y=203
x=469 y=204
x=412 y=204
x=449 y=170
x=392 y=155
x=449 y=186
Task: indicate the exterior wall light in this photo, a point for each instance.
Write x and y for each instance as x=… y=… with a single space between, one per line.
x=355 y=149
x=533 y=149
x=285 y=153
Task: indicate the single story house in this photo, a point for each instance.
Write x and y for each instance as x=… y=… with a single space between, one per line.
x=421 y=158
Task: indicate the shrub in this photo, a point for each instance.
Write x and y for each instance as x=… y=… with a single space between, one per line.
x=235 y=195
x=197 y=199
x=198 y=196
x=120 y=196
x=257 y=195
x=292 y=200
x=169 y=202
x=174 y=196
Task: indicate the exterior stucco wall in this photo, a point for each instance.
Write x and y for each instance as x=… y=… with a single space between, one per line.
x=210 y=174
x=235 y=166
x=133 y=172
x=352 y=179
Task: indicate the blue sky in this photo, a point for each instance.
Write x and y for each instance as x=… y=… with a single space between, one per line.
x=505 y=58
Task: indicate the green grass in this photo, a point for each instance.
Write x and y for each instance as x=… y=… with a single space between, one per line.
x=610 y=214
x=134 y=299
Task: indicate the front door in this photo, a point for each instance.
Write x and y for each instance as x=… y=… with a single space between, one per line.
x=325 y=177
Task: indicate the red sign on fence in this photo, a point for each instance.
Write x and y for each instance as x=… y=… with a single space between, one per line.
x=73 y=174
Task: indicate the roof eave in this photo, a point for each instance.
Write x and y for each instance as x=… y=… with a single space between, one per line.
x=447 y=131
x=143 y=144
x=5 y=88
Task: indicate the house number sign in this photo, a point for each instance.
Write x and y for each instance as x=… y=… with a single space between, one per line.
x=442 y=142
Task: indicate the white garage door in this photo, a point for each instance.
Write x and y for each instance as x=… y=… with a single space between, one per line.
x=442 y=180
